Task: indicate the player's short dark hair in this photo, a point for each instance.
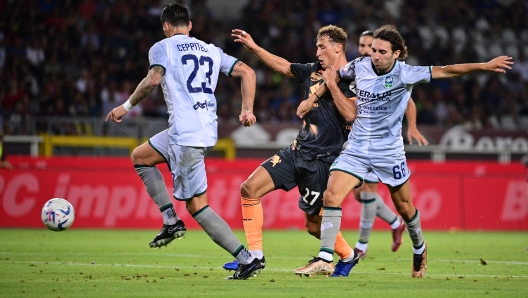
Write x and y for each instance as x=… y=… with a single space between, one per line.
x=390 y=33
x=366 y=33
x=334 y=34
x=176 y=15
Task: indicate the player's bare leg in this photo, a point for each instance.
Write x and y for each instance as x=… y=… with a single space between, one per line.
x=401 y=197
x=339 y=185
x=145 y=159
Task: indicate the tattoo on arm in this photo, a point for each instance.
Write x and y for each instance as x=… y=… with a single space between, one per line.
x=144 y=89
x=159 y=69
x=239 y=63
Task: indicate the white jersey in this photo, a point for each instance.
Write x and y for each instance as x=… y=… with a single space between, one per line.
x=381 y=103
x=191 y=74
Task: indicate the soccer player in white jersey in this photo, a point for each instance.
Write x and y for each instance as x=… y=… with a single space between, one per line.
x=188 y=69
x=383 y=87
x=372 y=204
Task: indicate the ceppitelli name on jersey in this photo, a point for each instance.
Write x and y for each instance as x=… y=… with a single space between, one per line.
x=184 y=47
x=366 y=96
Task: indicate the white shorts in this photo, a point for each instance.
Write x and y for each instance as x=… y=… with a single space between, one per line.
x=186 y=165
x=390 y=169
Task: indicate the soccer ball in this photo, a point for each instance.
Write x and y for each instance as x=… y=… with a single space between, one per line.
x=57 y=214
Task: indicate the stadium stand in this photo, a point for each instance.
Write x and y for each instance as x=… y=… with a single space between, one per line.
x=80 y=58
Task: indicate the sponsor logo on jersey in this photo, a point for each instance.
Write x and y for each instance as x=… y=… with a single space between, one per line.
x=366 y=96
x=275 y=160
x=388 y=82
x=203 y=105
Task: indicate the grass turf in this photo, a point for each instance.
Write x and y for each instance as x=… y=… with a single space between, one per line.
x=114 y=263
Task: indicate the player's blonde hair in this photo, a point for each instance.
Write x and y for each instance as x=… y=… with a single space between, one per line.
x=334 y=34
x=390 y=33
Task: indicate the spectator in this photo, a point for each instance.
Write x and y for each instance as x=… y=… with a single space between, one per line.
x=57 y=54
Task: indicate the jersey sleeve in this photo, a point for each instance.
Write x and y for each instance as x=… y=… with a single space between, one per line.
x=302 y=71
x=158 y=56
x=348 y=71
x=348 y=88
x=227 y=62
x=411 y=75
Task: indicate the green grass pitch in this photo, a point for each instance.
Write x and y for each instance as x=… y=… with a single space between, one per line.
x=119 y=263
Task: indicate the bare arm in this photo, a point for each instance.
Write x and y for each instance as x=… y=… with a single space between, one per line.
x=412 y=130
x=346 y=106
x=306 y=105
x=248 y=86
x=498 y=64
x=143 y=90
x=410 y=113
x=276 y=63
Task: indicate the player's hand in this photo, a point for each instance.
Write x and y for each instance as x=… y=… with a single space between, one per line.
x=247 y=118
x=244 y=38
x=413 y=133
x=116 y=114
x=330 y=76
x=304 y=107
x=499 y=64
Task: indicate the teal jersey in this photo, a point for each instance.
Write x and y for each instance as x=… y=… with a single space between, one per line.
x=381 y=103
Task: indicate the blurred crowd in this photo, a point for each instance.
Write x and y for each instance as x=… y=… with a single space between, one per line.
x=82 y=58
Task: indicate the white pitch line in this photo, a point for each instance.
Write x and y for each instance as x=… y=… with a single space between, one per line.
x=157 y=252
x=358 y=272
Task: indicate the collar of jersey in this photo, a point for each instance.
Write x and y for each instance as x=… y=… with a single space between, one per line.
x=376 y=72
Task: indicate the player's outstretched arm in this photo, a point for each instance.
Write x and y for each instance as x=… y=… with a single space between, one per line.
x=412 y=130
x=278 y=64
x=143 y=90
x=499 y=64
x=346 y=106
x=248 y=83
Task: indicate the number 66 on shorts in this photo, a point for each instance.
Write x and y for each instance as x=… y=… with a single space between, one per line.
x=390 y=169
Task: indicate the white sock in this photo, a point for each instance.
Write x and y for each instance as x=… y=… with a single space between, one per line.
x=419 y=251
x=352 y=256
x=169 y=216
x=326 y=256
x=362 y=246
x=396 y=223
x=245 y=257
x=259 y=254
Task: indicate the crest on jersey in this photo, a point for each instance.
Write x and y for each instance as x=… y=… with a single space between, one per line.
x=316 y=76
x=388 y=82
x=352 y=87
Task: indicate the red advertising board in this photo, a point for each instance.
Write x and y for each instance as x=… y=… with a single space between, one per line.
x=107 y=193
